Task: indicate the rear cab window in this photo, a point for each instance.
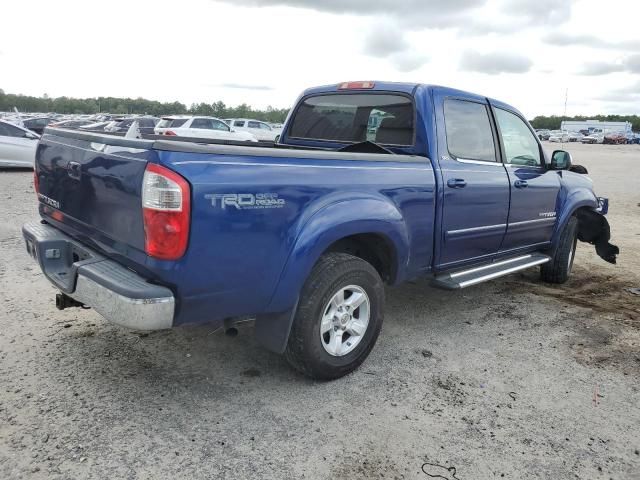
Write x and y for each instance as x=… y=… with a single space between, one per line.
x=384 y=118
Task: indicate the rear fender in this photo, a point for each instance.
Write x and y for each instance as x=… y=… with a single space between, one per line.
x=326 y=226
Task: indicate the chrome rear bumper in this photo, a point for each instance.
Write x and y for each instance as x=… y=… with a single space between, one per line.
x=115 y=292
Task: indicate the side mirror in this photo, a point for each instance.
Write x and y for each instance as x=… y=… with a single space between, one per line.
x=560 y=160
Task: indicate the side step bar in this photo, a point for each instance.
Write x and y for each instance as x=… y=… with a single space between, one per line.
x=473 y=276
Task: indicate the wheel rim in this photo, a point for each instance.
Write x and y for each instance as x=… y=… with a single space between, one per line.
x=345 y=319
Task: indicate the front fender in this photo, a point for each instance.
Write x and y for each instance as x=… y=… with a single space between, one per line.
x=331 y=223
x=570 y=201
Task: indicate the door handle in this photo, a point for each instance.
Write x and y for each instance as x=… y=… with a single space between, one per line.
x=456 y=183
x=521 y=184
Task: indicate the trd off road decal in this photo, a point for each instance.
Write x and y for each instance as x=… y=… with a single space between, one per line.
x=245 y=201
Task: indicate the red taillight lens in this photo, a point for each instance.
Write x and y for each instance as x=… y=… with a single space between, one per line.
x=166 y=207
x=36 y=182
x=169 y=132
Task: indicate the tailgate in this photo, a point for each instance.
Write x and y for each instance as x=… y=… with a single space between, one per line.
x=92 y=184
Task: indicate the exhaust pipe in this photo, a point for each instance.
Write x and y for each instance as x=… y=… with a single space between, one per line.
x=65 y=301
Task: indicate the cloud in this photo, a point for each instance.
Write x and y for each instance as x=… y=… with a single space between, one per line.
x=567 y=39
x=627 y=94
x=517 y=15
x=540 y=11
x=387 y=40
x=431 y=13
x=601 y=68
x=629 y=64
x=494 y=63
x=633 y=63
x=242 y=86
x=511 y=15
x=408 y=61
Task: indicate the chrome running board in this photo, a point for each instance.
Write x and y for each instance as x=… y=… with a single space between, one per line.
x=484 y=273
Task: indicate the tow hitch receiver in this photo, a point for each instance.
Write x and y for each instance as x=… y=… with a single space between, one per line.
x=64 y=301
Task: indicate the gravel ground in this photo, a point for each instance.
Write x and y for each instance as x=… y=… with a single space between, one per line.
x=509 y=379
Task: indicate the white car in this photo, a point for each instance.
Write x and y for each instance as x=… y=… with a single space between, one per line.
x=559 y=136
x=17 y=146
x=575 y=136
x=201 y=127
x=593 y=138
x=261 y=130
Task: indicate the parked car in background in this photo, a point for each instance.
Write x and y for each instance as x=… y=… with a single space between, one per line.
x=202 y=127
x=635 y=138
x=38 y=124
x=169 y=122
x=559 y=136
x=261 y=130
x=575 y=136
x=122 y=125
x=543 y=134
x=98 y=126
x=615 y=138
x=593 y=138
x=17 y=146
x=72 y=124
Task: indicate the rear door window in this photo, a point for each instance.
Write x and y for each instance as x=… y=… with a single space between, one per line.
x=468 y=130
x=239 y=123
x=253 y=124
x=356 y=117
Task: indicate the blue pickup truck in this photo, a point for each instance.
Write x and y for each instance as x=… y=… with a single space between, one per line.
x=371 y=183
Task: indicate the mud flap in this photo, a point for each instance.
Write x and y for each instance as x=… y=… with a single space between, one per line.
x=594 y=228
x=272 y=330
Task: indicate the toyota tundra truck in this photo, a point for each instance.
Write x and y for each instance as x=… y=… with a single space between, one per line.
x=370 y=183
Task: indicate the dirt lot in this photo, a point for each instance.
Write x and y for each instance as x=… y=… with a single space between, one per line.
x=510 y=379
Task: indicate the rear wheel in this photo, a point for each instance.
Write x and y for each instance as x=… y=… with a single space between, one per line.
x=557 y=270
x=338 y=319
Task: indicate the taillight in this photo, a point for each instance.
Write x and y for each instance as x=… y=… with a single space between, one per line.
x=169 y=132
x=166 y=207
x=36 y=182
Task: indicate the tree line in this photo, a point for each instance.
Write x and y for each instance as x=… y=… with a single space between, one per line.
x=553 y=122
x=219 y=109
x=141 y=106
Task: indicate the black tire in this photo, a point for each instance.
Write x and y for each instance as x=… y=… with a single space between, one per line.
x=557 y=270
x=305 y=351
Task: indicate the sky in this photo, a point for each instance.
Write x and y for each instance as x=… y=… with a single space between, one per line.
x=529 y=53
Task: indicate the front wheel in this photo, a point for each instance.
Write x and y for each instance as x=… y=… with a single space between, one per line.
x=557 y=270
x=338 y=319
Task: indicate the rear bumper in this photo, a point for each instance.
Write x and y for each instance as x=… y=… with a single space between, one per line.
x=115 y=292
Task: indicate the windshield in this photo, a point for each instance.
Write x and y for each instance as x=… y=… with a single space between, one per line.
x=355 y=117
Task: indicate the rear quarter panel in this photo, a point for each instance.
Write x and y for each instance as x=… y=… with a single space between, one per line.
x=238 y=257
